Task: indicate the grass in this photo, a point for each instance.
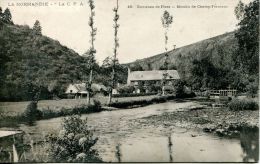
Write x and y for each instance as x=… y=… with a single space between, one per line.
x=12 y=113
x=243 y=104
x=142 y=102
x=17 y=108
x=15 y=112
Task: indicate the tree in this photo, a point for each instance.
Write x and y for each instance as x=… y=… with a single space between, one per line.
x=240 y=10
x=166 y=22
x=1 y=18
x=53 y=88
x=170 y=67
x=247 y=58
x=92 y=49
x=179 y=88
x=116 y=45
x=37 y=28
x=136 y=67
x=74 y=143
x=1 y=13
x=32 y=113
x=108 y=62
x=7 y=16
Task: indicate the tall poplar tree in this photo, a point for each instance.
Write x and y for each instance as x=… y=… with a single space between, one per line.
x=1 y=13
x=92 y=49
x=166 y=22
x=116 y=45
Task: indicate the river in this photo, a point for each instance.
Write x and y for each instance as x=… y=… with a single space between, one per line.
x=123 y=138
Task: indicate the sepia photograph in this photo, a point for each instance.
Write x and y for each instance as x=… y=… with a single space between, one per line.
x=98 y=81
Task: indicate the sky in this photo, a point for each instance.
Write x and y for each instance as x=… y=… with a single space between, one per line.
x=140 y=33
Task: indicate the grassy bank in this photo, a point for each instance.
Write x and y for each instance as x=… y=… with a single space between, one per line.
x=17 y=108
x=12 y=121
x=13 y=113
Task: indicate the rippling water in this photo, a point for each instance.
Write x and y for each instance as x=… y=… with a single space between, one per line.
x=122 y=138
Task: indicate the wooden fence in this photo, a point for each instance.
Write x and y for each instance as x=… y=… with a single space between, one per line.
x=227 y=92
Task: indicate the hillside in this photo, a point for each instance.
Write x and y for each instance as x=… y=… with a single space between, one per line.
x=196 y=50
x=29 y=60
x=205 y=64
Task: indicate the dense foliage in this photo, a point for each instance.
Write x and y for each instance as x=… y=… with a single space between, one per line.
x=29 y=60
x=74 y=143
x=245 y=104
x=247 y=56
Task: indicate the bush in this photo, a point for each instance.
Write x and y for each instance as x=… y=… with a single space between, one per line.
x=32 y=113
x=126 y=89
x=48 y=113
x=80 y=109
x=134 y=94
x=245 y=104
x=97 y=106
x=74 y=143
x=179 y=88
x=127 y=104
x=252 y=89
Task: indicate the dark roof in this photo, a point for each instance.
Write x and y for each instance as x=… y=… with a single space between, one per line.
x=152 y=75
x=80 y=87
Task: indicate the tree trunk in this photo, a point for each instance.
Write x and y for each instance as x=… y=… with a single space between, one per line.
x=163 y=92
x=109 y=98
x=89 y=87
x=88 y=98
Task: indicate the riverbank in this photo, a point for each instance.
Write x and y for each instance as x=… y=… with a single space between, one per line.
x=221 y=121
x=12 y=114
x=16 y=108
x=120 y=130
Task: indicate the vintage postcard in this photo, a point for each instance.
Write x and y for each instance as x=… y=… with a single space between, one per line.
x=129 y=81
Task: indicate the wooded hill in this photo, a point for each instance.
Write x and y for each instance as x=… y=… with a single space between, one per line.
x=206 y=64
x=30 y=61
x=209 y=46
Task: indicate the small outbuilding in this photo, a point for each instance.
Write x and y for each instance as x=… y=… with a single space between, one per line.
x=80 y=91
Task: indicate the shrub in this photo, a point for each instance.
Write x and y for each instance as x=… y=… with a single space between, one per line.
x=80 y=109
x=127 y=104
x=74 y=143
x=48 y=113
x=245 y=104
x=179 y=88
x=126 y=89
x=134 y=94
x=32 y=113
x=97 y=106
x=252 y=89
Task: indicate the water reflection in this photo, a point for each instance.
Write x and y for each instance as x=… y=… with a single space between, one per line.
x=170 y=148
x=249 y=139
x=118 y=153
